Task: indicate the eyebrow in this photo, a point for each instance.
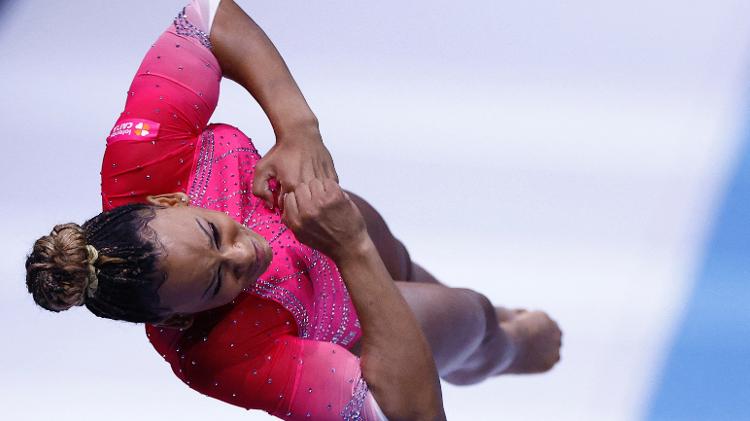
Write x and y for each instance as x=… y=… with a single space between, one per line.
x=211 y=241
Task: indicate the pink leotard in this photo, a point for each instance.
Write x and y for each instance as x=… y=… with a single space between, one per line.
x=282 y=345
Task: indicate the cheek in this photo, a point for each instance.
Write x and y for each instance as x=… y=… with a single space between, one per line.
x=228 y=292
x=185 y=286
x=232 y=287
x=180 y=300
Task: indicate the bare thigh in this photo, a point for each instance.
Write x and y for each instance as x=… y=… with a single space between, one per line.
x=454 y=320
x=392 y=251
x=394 y=254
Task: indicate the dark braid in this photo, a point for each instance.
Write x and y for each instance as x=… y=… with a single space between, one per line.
x=127 y=273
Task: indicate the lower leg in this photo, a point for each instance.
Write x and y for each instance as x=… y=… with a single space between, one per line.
x=528 y=341
x=470 y=339
x=493 y=355
x=393 y=252
x=467 y=343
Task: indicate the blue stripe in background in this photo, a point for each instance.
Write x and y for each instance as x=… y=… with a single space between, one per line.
x=707 y=374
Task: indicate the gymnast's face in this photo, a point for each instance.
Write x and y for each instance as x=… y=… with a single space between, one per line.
x=209 y=258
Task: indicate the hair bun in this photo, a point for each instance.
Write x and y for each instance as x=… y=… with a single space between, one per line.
x=57 y=268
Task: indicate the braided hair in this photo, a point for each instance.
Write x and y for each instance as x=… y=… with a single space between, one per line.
x=58 y=267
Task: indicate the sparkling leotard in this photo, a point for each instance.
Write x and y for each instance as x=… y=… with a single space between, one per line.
x=281 y=346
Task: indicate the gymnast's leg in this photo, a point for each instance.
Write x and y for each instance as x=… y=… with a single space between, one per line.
x=471 y=339
x=391 y=250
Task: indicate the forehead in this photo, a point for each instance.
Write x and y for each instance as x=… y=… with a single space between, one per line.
x=187 y=258
x=179 y=229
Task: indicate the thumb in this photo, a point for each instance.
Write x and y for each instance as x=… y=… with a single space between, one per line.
x=261 y=187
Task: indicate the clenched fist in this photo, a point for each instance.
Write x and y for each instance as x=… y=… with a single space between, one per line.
x=291 y=163
x=322 y=216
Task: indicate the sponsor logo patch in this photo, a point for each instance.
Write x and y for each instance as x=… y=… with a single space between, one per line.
x=134 y=129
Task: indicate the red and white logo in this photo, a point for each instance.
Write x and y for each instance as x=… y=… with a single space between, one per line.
x=134 y=129
x=141 y=129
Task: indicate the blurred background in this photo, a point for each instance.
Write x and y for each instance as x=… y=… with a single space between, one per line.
x=585 y=158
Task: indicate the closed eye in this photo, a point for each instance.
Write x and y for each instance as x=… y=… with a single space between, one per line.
x=217 y=241
x=217 y=237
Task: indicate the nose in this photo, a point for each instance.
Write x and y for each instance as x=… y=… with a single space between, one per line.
x=242 y=257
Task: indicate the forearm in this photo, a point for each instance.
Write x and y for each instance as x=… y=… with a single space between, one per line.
x=247 y=56
x=396 y=359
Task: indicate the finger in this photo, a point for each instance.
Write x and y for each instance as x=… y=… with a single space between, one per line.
x=291 y=211
x=261 y=188
x=317 y=190
x=303 y=198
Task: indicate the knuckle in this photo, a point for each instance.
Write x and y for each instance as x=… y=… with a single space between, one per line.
x=309 y=213
x=328 y=200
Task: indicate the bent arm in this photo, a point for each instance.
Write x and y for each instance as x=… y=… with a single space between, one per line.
x=248 y=57
x=396 y=360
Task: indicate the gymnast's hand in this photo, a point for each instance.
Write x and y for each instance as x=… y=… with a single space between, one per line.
x=323 y=216
x=294 y=160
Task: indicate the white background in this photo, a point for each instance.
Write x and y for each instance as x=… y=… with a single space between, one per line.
x=565 y=156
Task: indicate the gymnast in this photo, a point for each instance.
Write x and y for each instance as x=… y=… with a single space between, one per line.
x=259 y=280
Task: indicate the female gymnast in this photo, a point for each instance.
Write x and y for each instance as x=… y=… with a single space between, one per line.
x=260 y=281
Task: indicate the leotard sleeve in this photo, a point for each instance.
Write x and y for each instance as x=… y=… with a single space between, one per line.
x=295 y=379
x=249 y=354
x=150 y=149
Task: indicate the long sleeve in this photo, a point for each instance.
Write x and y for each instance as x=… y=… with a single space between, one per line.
x=249 y=355
x=151 y=147
x=295 y=379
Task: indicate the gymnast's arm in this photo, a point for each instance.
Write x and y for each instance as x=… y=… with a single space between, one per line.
x=396 y=360
x=248 y=57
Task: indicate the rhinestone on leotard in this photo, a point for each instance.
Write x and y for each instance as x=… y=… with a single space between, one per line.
x=185 y=28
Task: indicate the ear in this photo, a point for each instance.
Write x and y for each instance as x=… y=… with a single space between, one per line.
x=169 y=199
x=177 y=321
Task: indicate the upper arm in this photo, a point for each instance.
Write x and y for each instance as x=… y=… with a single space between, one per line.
x=294 y=379
x=176 y=88
x=150 y=148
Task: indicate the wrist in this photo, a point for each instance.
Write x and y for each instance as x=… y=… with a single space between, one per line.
x=298 y=128
x=357 y=250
